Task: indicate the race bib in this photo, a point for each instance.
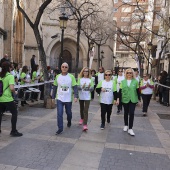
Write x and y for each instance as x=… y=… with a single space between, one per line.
x=64 y=89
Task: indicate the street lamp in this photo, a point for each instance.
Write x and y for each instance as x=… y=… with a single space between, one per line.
x=149 y=48
x=63 y=25
x=117 y=66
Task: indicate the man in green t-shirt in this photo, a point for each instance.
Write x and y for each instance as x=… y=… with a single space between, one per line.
x=64 y=84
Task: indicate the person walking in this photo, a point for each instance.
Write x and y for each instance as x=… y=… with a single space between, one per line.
x=108 y=93
x=146 y=87
x=25 y=79
x=85 y=87
x=129 y=92
x=33 y=63
x=6 y=99
x=4 y=59
x=93 y=76
x=64 y=84
x=118 y=80
x=99 y=75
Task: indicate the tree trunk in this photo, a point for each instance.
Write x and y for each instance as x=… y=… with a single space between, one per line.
x=98 y=56
x=43 y=64
x=78 y=48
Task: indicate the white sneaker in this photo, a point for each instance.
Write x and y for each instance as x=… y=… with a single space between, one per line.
x=125 y=128
x=130 y=131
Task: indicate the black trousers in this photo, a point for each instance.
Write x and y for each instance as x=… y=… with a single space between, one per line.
x=11 y=106
x=129 y=110
x=146 y=100
x=119 y=107
x=105 y=108
x=92 y=93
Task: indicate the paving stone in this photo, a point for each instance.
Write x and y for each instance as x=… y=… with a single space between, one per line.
x=139 y=123
x=142 y=138
x=165 y=124
x=35 y=154
x=131 y=160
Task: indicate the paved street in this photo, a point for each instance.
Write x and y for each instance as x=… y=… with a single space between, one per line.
x=109 y=149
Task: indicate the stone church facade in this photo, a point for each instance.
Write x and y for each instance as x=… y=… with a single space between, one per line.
x=18 y=41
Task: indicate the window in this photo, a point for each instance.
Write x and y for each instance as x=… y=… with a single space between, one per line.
x=126 y=1
x=124 y=55
x=115 y=9
x=123 y=47
x=125 y=19
x=126 y=9
x=125 y=28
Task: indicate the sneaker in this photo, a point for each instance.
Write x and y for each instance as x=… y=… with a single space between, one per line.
x=59 y=132
x=130 y=131
x=81 y=122
x=85 y=127
x=125 y=128
x=144 y=114
x=16 y=134
x=98 y=95
x=69 y=124
x=102 y=126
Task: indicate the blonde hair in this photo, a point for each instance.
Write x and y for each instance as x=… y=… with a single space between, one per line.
x=107 y=72
x=130 y=70
x=81 y=75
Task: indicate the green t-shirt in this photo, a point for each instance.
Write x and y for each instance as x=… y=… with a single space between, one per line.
x=7 y=95
x=23 y=75
x=34 y=76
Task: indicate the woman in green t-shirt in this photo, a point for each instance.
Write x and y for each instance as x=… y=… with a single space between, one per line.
x=6 y=100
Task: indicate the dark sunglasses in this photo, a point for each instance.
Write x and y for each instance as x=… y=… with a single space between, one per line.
x=64 y=67
x=129 y=73
x=120 y=71
x=107 y=74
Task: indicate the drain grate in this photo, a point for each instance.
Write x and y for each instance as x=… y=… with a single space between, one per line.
x=164 y=116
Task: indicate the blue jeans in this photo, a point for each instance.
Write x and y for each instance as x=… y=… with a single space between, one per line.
x=68 y=108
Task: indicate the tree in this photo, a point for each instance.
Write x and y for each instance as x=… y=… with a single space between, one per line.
x=80 y=11
x=35 y=27
x=135 y=34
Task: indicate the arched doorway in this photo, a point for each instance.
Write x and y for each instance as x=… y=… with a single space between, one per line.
x=67 y=57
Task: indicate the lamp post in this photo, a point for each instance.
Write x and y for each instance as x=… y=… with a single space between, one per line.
x=113 y=62
x=149 y=48
x=63 y=25
x=102 y=56
x=117 y=66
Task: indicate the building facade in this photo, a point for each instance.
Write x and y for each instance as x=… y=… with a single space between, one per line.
x=133 y=17
x=18 y=41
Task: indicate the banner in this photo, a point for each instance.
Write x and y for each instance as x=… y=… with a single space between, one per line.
x=91 y=56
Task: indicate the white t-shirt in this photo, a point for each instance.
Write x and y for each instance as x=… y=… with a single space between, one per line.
x=85 y=93
x=119 y=79
x=28 y=78
x=64 y=90
x=100 y=77
x=107 y=97
x=93 y=79
x=128 y=82
x=147 y=90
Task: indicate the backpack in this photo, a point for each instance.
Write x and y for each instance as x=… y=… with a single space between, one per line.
x=1 y=87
